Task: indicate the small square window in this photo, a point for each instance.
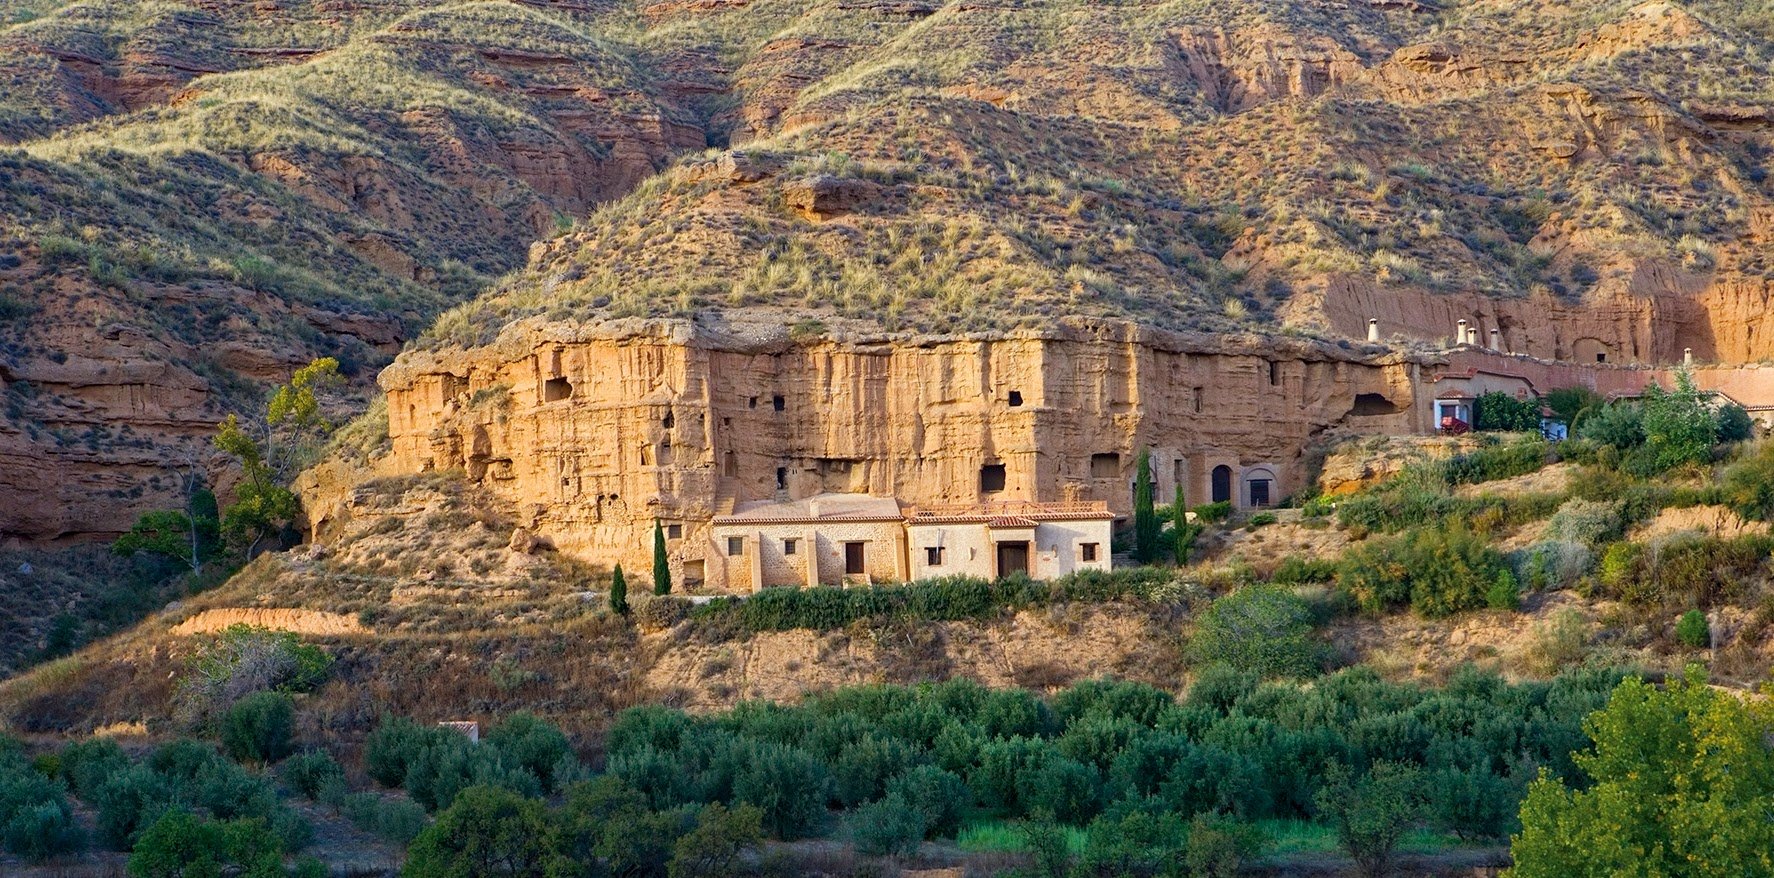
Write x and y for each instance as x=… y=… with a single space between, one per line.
x=992 y=478
x=1016 y=398
x=735 y=546
x=933 y=556
x=674 y=531
x=788 y=546
x=778 y=403
x=1087 y=551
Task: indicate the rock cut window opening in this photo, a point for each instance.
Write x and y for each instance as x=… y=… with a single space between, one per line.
x=781 y=478
x=778 y=403
x=556 y=389
x=1106 y=465
x=1016 y=398
x=992 y=478
x=674 y=531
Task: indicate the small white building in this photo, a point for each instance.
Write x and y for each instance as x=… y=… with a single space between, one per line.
x=994 y=540
x=823 y=540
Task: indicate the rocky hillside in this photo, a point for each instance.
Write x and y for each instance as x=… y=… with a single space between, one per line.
x=198 y=197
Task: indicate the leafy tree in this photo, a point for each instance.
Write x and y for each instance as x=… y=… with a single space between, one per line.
x=1679 y=783
x=258 y=727
x=618 y=592
x=1145 y=517
x=1045 y=840
x=182 y=845
x=937 y=796
x=1679 y=427
x=887 y=826
x=1617 y=424
x=1693 y=630
x=527 y=742
x=661 y=561
x=787 y=786
x=310 y=773
x=1733 y=423
x=1569 y=404
x=1371 y=813
x=1264 y=629
x=294 y=418
x=1498 y=411
x=712 y=849
x=487 y=832
x=262 y=506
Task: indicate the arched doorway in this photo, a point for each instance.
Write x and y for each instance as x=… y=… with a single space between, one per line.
x=1260 y=487
x=1222 y=484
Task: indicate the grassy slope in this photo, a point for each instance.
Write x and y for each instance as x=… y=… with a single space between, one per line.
x=1106 y=179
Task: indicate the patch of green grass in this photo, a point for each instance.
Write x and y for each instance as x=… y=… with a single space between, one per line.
x=1294 y=837
x=988 y=834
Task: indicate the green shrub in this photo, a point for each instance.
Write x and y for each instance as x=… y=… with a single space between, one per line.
x=1693 y=631
x=528 y=743
x=1261 y=519
x=714 y=847
x=1295 y=570
x=1501 y=412
x=258 y=727
x=1437 y=572
x=398 y=820
x=1371 y=813
x=1135 y=844
x=888 y=826
x=38 y=832
x=662 y=611
x=1619 y=425
x=486 y=831
x=1748 y=484
x=180 y=844
x=244 y=659
x=88 y=764
x=1065 y=788
x=1264 y=629
x=1474 y=803
x=310 y=772
x=786 y=785
x=1589 y=522
x=1733 y=424
x=1504 y=593
x=1213 y=513
x=939 y=797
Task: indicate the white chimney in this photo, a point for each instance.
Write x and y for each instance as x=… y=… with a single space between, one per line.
x=1373 y=329
x=1472 y=336
x=1460 y=334
x=1687 y=356
x=1496 y=341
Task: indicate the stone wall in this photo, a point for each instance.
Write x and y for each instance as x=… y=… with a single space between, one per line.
x=596 y=431
x=765 y=562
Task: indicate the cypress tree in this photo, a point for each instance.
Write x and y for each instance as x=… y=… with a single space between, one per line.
x=661 y=563
x=618 y=592
x=1184 y=531
x=1145 y=517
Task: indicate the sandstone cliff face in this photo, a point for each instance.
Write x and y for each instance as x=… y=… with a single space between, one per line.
x=596 y=431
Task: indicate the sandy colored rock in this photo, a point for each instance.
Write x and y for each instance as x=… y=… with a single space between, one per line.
x=313 y=622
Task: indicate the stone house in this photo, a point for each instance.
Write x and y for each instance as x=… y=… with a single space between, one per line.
x=823 y=539
x=858 y=539
x=993 y=540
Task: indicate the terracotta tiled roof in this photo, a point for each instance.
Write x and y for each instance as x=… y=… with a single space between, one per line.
x=1010 y=521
